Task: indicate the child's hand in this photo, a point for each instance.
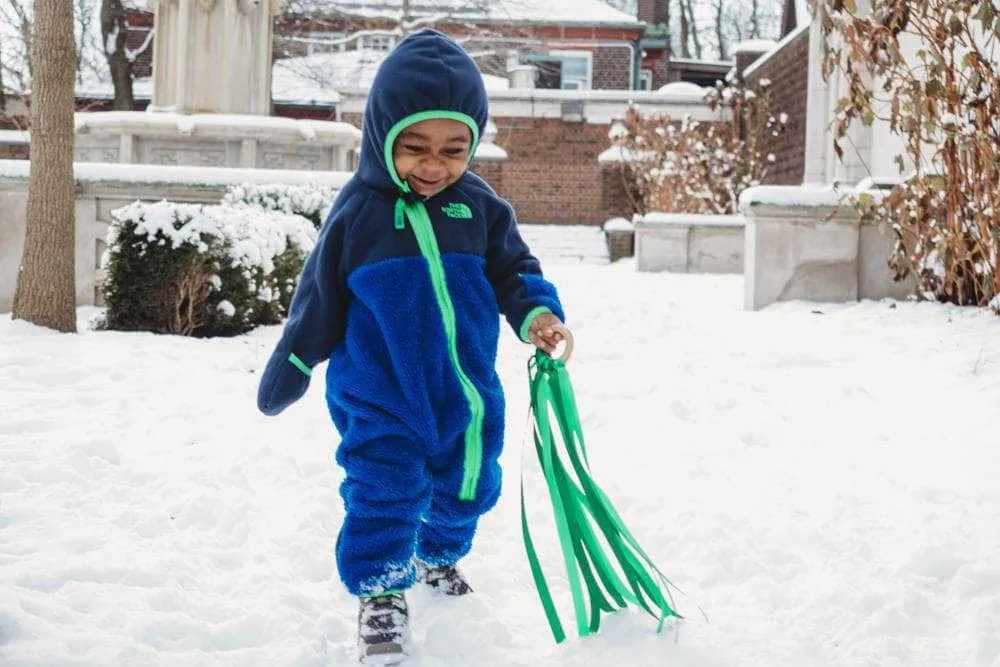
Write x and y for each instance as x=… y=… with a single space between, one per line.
x=544 y=332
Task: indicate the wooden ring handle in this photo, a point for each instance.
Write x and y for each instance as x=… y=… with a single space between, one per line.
x=568 y=337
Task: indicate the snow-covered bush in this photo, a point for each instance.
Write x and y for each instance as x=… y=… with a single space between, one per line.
x=689 y=166
x=312 y=201
x=929 y=70
x=201 y=270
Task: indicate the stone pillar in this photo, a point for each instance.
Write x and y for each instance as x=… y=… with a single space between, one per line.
x=214 y=55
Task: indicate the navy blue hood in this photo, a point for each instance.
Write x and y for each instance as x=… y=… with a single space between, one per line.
x=427 y=75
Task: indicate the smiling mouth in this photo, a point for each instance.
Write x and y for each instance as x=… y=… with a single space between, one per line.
x=425 y=184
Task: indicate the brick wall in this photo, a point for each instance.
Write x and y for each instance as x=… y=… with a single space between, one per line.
x=788 y=71
x=611 y=68
x=490 y=171
x=653 y=11
x=552 y=174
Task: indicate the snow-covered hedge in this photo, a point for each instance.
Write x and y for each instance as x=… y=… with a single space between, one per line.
x=688 y=166
x=310 y=201
x=201 y=270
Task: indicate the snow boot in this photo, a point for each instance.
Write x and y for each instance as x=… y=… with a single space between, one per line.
x=443 y=579
x=383 y=629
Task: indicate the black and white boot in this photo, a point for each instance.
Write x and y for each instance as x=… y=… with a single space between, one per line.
x=443 y=579
x=383 y=629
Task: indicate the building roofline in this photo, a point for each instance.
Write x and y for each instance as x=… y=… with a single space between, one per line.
x=778 y=48
x=451 y=19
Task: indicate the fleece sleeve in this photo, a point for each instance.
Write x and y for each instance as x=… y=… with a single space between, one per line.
x=516 y=276
x=314 y=326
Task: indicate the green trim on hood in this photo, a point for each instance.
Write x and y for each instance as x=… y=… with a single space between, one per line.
x=412 y=119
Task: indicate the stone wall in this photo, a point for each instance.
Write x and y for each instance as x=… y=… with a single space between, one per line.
x=105 y=187
x=689 y=243
x=802 y=244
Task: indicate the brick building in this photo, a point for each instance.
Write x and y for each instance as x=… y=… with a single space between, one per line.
x=586 y=62
x=551 y=173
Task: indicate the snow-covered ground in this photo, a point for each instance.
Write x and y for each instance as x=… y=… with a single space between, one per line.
x=820 y=480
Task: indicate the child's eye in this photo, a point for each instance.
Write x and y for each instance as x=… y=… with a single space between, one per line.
x=413 y=149
x=454 y=152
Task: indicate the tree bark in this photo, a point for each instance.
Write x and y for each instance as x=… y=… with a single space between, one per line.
x=3 y=96
x=688 y=7
x=685 y=32
x=114 y=30
x=720 y=34
x=46 y=280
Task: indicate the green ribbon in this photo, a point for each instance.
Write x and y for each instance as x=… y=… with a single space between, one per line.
x=583 y=516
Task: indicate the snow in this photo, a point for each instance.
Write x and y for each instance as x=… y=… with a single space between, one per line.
x=15 y=137
x=144 y=173
x=700 y=219
x=490 y=151
x=820 y=479
x=212 y=123
x=588 y=12
x=618 y=225
x=622 y=154
x=755 y=46
x=789 y=195
x=685 y=88
x=318 y=77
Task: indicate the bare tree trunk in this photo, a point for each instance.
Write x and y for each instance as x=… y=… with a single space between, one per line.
x=754 y=19
x=3 y=96
x=719 y=32
x=406 y=11
x=114 y=30
x=685 y=32
x=688 y=5
x=46 y=280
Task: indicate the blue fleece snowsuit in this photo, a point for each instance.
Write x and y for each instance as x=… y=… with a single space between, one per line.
x=402 y=295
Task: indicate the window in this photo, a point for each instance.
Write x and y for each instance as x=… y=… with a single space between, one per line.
x=377 y=42
x=576 y=69
x=646 y=79
x=568 y=70
x=323 y=42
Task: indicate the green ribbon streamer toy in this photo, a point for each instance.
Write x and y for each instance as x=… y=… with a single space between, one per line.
x=600 y=582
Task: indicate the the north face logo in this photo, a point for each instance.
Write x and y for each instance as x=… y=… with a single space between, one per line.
x=457 y=210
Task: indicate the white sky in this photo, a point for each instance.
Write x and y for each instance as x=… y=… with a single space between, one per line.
x=820 y=479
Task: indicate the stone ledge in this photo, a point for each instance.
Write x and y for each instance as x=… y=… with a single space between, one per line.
x=803 y=244
x=101 y=188
x=689 y=243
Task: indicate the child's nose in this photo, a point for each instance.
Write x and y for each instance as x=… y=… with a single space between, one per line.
x=435 y=165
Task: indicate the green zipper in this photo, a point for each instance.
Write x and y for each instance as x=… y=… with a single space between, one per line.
x=424 y=232
x=423 y=229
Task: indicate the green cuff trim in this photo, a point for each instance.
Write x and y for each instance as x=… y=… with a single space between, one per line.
x=386 y=594
x=298 y=363
x=529 y=318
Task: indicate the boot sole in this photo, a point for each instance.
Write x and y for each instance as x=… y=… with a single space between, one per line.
x=390 y=653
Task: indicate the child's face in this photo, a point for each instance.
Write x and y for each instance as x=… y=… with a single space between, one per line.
x=432 y=154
